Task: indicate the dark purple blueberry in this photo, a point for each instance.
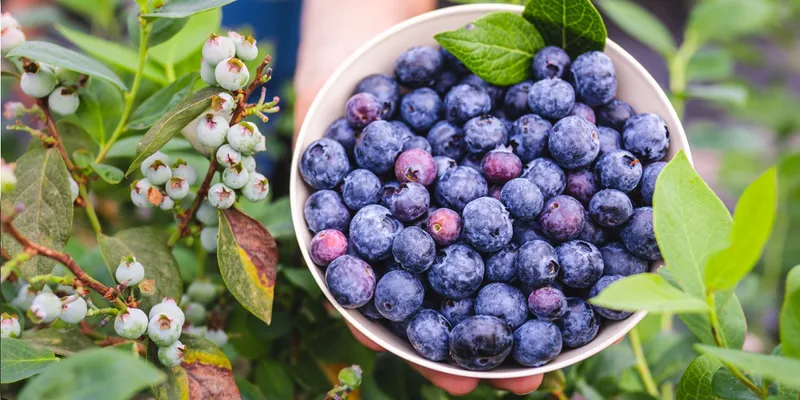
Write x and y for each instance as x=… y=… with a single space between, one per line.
x=414 y=250
x=547 y=175
x=361 y=109
x=415 y=165
x=410 y=202
x=522 y=198
x=450 y=61
x=501 y=267
x=617 y=260
x=457 y=272
x=377 y=147
x=516 y=100
x=372 y=232
x=484 y=133
x=388 y=190
x=579 y=325
x=487 y=225
x=351 y=281
x=550 y=62
x=327 y=245
x=429 y=334
x=638 y=235
x=480 y=343
x=501 y=165
x=324 y=164
x=592 y=232
x=619 y=170
x=649 y=177
x=417 y=142
x=610 y=208
x=447 y=140
x=537 y=265
x=385 y=89
x=361 y=187
x=420 y=109
x=418 y=66
x=443 y=164
x=464 y=102
x=610 y=140
x=581 y=264
x=325 y=210
x=341 y=132
x=398 y=295
x=581 y=185
x=472 y=161
x=573 y=143
x=547 y=303
x=536 y=343
x=526 y=231
x=444 y=226
x=402 y=131
x=583 y=111
x=496 y=93
x=398 y=328
x=614 y=114
x=444 y=82
x=457 y=310
x=501 y=115
x=614 y=315
x=459 y=186
x=551 y=98
x=502 y=301
x=595 y=78
x=529 y=135
x=562 y=218
x=370 y=311
x=646 y=136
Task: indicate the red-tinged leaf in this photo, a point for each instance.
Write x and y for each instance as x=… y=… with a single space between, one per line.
x=205 y=373
x=248 y=260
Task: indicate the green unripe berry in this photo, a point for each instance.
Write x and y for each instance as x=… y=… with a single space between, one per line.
x=167 y=203
x=177 y=188
x=139 y=191
x=169 y=308
x=74 y=309
x=149 y=161
x=38 y=84
x=67 y=77
x=221 y=196
x=223 y=103
x=211 y=130
x=64 y=100
x=207 y=214
x=227 y=156
x=217 y=336
x=129 y=271
x=158 y=173
x=249 y=163
x=73 y=189
x=9 y=326
x=163 y=330
x=232 y=74
x=217 y=48
x=202 y=292
x=195 y=313
x=243 y=137
x=208 y=238
x=180 y=169
x=10 y=38
x=172 y=355
x=246 y=48
x=235 y=176
x=130 y=324
x=256 y=188
x=207 y=74
x=46 y=307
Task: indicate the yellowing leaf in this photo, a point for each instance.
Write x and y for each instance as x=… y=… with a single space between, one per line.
x=205 y=373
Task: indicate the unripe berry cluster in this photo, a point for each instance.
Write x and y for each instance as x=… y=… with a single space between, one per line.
x=12 y=35
x=164 y=183
x=195 y=303
x=222 y=60
x=45 y=306
x=163 y=326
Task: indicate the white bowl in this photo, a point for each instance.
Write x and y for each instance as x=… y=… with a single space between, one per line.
x=636 y=87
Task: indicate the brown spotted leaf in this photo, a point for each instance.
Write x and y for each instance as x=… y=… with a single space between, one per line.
x=205 y=373
x=248 y=260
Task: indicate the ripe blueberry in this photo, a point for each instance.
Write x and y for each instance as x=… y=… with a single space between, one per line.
x=351 y=281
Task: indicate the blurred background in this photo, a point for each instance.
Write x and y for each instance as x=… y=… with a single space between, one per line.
x=738 y=93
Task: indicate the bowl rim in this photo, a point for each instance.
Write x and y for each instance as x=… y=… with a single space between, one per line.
x=621 y=329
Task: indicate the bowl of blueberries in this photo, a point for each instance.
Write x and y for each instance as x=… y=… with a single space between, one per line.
x=464 y=226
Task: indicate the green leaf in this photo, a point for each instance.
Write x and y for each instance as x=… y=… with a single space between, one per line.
x=65 y=58
x=248 y=261
x=161 y=29
x=185 y=8
x=640 y=23
x=43 y=188
x=126 y=147
x=696 y=381
x=62 y=341
x=108 y=173
x=781 y=369
x=691 y=223
x=790 y=315
x=668 y=355
x=149 y=246
x=498 y=47
x=107 y=374
x=248 y=390
x=276 y=217
x=301 y=277
x=272 y=378
x=647 y=292
x=573 y=25
x=709 y=65
x=588 y=392
x=711 y=20
x=188 y=40
x=99 y=111
x=161 y=101
x=20 y=360
x=752 y=226
x=731 y=316
x=171 y=123
x=730 y=93
x=726 y=386
x=111 y=53
x=205 y=373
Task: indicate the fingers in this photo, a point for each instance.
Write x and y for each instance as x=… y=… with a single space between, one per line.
x=518 y=386
x=363 y=339
x=455 y=385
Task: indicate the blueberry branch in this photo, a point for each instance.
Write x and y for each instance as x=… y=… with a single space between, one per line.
x=641 y=363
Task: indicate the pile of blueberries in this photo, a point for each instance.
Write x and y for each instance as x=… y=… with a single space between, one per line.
x=474 y=220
